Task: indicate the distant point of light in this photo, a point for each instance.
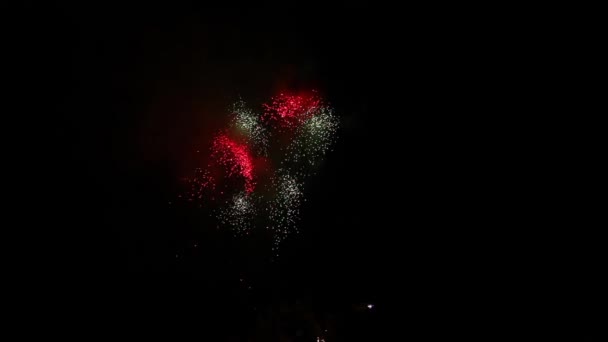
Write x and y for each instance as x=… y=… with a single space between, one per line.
x=370 y=306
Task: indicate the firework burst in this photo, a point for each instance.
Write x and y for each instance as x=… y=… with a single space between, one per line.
x=287 y=112
x=236 y=158
x=299 y=130
x=313 y=139
x=249 y=124
x=284 y=209
x=238 y=213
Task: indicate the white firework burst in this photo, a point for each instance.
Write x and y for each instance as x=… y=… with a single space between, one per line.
x=284 y=209
x=238 y=213
x=313 y=140
x=249 y=124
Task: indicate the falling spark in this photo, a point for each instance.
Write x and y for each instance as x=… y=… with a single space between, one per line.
x=284 y=209
x=238 y=213
x=201 y=186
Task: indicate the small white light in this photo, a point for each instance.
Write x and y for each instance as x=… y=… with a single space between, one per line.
x=370 y=306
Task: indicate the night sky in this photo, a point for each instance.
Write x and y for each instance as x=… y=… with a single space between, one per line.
x=390 y=218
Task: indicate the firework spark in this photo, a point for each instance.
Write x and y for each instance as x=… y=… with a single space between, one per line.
x=238 y=213
x=248 y=123
x=284 y=209
x=236 y=158
x=201 y=185
x=290 y=111
x=313 y=139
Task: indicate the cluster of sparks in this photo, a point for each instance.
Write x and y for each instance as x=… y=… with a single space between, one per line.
x=289 y=111
x=247 y=123
x=314 y=138
x=284 y=209
x=299 y=129
x=238 y=213
x=200 y=186
x=236 y=158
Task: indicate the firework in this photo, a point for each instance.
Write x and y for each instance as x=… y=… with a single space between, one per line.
x=248 y=123
x=313 y=139
x=238 y=213
x=236 y=158
x=201 y=186
x=284 y=209
x=290 y=111
x=288 y=141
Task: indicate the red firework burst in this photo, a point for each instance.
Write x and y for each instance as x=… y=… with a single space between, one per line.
x=291 y=110
x=236 y=158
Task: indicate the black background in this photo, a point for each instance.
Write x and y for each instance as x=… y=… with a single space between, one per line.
x=398 y=215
